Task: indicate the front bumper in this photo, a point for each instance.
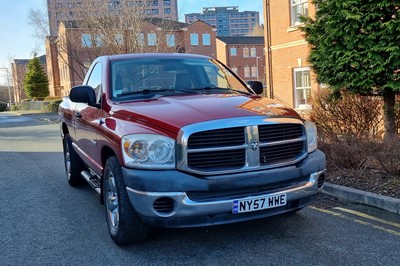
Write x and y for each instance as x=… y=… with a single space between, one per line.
x=197 y=201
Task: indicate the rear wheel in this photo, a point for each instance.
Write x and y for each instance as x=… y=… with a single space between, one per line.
x=124 y=225
x=73 y=164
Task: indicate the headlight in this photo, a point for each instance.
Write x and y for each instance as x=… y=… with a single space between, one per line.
x=148 y=151
x=311 y=130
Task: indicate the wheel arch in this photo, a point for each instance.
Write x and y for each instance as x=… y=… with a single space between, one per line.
x=64 y=129
x=106 y=153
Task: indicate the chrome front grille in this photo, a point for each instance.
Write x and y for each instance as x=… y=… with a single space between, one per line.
x=217 y=160
x=279 y=132
x=254 y=144
x=280 y=153
x=224 y=137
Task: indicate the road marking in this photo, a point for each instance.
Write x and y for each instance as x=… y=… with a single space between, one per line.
x=390 y=231
x=368 y=217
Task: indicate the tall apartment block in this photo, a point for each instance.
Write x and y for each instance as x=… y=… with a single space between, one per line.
x=75 y=10
x=227 y=20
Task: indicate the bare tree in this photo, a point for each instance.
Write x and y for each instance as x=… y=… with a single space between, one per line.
x=106 y=27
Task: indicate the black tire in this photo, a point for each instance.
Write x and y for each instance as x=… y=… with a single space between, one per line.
x=124 y=225
x=73 y=164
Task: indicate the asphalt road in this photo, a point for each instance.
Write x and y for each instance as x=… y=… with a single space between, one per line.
x=43 y=221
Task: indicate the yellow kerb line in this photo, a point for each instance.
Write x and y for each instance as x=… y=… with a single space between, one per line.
x=390 y=231
x=366 y=216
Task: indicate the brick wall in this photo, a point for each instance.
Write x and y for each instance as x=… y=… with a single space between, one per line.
x=289 y=50
x=200 y=28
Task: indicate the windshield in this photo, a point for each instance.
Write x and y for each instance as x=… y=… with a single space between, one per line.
x=143 y=78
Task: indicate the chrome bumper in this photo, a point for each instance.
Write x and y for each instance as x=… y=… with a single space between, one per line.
x=185 y=208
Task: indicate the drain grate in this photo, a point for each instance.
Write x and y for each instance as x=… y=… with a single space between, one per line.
x=326 y=202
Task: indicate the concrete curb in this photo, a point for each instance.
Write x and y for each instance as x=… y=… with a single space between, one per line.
x=358 y=196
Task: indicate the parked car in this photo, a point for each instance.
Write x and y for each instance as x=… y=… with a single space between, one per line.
x=179 y=140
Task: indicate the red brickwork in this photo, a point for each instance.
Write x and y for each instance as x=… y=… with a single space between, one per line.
x=200 y=28
x=289 y=50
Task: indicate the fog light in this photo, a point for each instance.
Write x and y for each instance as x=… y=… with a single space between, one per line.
x=164 y=205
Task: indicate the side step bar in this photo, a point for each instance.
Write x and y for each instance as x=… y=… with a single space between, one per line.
x=93 y=181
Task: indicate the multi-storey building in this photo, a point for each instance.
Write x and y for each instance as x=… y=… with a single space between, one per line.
x=244 y=55
x=227 y=20
x=289 y=76
x=74 y=10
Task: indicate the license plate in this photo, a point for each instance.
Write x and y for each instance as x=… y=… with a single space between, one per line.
x=259 y=203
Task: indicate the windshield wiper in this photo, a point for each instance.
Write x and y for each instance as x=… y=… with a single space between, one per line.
x=207 y=88
x=149 y=91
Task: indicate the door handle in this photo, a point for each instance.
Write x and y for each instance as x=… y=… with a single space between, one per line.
x=78 y=115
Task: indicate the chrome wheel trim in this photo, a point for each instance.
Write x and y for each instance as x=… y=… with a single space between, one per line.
x=112 y=202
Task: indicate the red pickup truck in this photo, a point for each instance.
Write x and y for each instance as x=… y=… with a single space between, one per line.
x=179 y=140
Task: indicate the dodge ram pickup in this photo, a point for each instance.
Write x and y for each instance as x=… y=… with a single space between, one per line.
x=179 y=140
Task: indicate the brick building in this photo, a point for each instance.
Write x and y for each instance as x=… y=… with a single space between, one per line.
x=227 y=20
x=19 y=68
x=244 y=55
x=289 y=76
x=71 y=53
x=75 y=10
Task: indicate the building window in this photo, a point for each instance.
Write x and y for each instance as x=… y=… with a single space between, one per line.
x=246 y=72
x=254 y=71
x=114 y=4
x=302 y=87
x=154 y=11
x=155 y=3
x=170 y=40
x=194 y=39
x=86 y=40
x=167 y=2
x=119 y=39
x=206 y=39
x=253 y=52
x=233 y=51
x=246 y=52
x=167 y=10
x=141 y=38
x=151 y=39
x=234 y=69
x=99 y=40
x=298 y=8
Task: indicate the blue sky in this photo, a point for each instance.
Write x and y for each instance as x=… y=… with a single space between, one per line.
x=16 y=34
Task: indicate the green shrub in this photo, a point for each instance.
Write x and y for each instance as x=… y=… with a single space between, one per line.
x=51 y=106
x=14 y=107
x=3 y=107
x=52 y=98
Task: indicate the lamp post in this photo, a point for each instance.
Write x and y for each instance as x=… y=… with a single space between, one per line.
x=8 y=85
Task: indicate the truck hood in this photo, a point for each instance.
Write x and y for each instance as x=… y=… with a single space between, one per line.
x=174 y=112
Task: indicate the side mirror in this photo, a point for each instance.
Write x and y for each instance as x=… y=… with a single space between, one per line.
x=83 y=94
x=256 y=86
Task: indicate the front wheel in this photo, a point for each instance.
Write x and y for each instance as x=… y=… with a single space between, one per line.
x=124 y=225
